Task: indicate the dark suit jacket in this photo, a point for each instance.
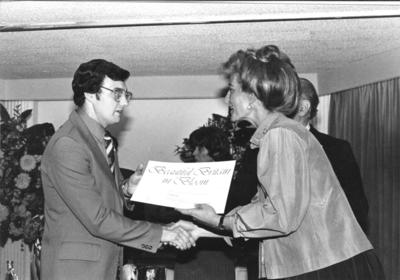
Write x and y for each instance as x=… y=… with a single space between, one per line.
x=244 y=186
x=84 y=222
x=347 y=171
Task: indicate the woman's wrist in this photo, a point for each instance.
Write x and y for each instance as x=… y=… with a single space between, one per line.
x=212 y=221
x=228 y=222
x=220 y=225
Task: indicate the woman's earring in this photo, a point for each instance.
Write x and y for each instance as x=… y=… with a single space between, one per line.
x=249 y=107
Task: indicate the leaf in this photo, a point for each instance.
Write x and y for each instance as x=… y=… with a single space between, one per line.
x=16 y=139
x=17 y=110
x=4 y=116
x=25 y=115
x=3 y=233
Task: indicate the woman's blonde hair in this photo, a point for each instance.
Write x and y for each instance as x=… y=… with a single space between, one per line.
x=269 y=74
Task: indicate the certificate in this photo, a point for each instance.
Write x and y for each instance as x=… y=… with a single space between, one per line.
x=182 y=185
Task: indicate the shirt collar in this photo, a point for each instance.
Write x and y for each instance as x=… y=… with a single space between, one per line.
x=94 y=127
x=263 y=128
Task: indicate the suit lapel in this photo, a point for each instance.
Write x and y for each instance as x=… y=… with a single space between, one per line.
x=93 y=146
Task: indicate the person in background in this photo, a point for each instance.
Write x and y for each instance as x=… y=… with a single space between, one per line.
x=242 y=190
x=300 y=213
x=344 y=164
x=211 y=258
x=339 y=153
x=244 y=182
x=209 y=143
x=84 y=191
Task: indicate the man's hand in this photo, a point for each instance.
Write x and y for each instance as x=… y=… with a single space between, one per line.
x=178 y=237
x=134 y=180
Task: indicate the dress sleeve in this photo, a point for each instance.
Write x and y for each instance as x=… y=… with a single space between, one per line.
x=284 y=197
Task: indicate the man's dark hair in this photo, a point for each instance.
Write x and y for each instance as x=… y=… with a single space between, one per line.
x=309 y=93
x=90 y=75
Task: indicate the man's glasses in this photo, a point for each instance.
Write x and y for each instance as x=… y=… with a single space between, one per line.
x=118 y=92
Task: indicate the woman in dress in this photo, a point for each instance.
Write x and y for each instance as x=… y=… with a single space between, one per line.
x=300 y=213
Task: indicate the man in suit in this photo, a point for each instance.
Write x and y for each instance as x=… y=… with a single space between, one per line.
x=84 y=190
x=339 y=153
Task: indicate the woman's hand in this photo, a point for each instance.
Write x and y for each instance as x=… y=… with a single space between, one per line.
x=203 y=213
x=194 y=230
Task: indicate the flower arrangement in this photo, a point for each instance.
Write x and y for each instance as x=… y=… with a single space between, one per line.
x=21 y=194
x=238 y=135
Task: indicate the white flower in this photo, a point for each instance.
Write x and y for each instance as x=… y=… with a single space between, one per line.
x=4 y=212
x=27 y=162
x=21 y=127
x=20 y=210
x=38 y=158
x=22 y=181
x=15 y=230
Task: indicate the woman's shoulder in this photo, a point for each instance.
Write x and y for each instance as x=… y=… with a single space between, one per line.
x=276 y=126
x=285 y=135
x=287 y=127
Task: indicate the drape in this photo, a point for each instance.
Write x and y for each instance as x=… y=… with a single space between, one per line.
x=369 y=118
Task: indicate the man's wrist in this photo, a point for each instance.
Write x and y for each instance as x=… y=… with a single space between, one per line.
x=165 y=234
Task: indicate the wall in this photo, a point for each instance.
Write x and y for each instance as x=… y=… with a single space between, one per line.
x=150 y=129
x=155 y=87
x=353 y=74
x=2 y=89
x=165 y=87
x=165 y=110
x=376 y=68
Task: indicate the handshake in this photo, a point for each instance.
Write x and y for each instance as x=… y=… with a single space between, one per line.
x=182 y=234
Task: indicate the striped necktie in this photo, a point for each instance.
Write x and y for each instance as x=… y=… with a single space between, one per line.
x=110 y=150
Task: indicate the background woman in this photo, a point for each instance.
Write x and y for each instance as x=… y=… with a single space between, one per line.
x=211 y=258
x=300 y=212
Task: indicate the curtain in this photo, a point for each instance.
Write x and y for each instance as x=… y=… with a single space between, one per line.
x=369 y=118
